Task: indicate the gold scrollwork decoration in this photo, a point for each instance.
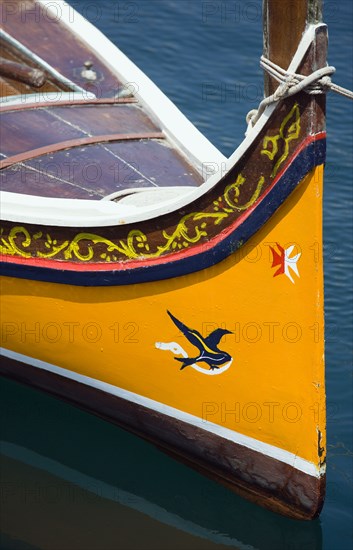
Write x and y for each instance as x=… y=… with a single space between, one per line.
x=234 y=189
x=9 y=246
x=273 y=145
x=190 y=230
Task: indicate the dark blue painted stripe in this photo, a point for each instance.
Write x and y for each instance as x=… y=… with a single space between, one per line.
x=313 y=155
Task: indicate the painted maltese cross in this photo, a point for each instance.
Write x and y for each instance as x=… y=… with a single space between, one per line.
x=283 y=259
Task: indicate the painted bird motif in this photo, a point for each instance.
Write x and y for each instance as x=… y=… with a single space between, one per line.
x=209 y=352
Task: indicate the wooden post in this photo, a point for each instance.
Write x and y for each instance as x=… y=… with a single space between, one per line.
x=284 y=22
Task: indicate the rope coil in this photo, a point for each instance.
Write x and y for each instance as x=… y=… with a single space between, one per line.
x=318 y=82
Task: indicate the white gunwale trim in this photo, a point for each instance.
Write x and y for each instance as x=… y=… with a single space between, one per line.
x=249 y=442
x=36 y=211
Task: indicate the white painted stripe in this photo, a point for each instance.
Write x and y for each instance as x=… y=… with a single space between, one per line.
x=116 y=494
x=249 y=442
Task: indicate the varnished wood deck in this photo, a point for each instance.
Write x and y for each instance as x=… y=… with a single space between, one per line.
x=56 y=150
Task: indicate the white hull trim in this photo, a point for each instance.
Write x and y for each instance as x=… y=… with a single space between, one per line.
x=259 y=446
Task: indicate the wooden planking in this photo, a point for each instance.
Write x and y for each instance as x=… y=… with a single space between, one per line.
x=102 y=119
x=51 y=40
x=158 y=162
x=95 y=171
x=43 y=179
x=24 y=130
x=92 y=169
x=28 y=130
x=120 y=165
x=72 y=143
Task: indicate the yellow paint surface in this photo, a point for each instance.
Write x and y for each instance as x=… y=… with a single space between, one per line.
x=274 y=388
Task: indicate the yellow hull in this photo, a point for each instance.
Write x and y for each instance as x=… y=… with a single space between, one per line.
x=272 y=391
x=188 y=309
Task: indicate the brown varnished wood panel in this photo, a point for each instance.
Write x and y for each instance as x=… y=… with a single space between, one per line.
x=40 y=180
x=73 y=143
x=158 y=162
x=98 y=170
x=24 y=130
x=117 y=166
x=51 y=40
x=92 y=169
x=21 y=131
x=102 y=119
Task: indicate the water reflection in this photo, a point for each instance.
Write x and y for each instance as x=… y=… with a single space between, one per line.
x=71 y=480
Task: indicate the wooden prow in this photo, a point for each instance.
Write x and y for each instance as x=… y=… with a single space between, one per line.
x=284 y=23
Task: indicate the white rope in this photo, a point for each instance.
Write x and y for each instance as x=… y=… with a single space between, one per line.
x=318 y=82
x=340 y=90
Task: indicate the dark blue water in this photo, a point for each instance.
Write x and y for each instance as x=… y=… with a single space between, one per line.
x=74 y=481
